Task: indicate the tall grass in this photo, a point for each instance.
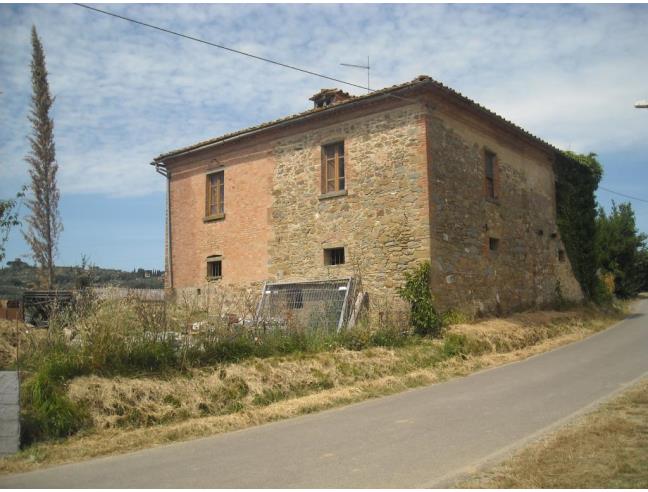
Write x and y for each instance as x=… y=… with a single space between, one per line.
x=131 y=337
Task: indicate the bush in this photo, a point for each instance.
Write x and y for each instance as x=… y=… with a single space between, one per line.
x=416 y=291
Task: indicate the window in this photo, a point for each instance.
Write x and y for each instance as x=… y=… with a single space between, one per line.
x=214 y=267
x=490 y=169
x=493 y=243
x=333 y=168
x=215 y=206
x=334 y=256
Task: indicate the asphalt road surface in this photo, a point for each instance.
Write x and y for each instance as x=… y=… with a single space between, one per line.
x=419 y=438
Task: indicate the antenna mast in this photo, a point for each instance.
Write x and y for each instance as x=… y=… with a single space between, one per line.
x=364 y=67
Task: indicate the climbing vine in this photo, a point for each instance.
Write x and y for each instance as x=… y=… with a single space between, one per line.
x=577 y=178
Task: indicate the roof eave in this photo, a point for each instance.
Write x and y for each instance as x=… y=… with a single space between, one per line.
x=280 y=124
x=378 y=95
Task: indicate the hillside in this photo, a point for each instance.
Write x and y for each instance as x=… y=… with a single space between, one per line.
x=19 y=276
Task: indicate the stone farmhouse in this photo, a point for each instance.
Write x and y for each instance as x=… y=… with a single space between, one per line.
x=371 y=186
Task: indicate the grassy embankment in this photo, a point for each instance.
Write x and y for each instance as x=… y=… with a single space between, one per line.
x=607 y=448
x=115 y=393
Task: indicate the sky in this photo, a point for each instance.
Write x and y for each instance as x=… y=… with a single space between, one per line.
x=569 y=74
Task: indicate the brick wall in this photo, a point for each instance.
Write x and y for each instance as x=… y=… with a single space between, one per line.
x=241 y=237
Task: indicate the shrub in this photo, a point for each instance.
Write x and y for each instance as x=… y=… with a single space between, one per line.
x=416 y=291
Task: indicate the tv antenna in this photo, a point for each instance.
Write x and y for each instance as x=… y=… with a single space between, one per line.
x=364 y=67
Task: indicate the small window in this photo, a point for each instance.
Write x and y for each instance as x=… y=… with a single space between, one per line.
x=215 y=203
x=561 y=255
x=489 y=171
x=334 y=256
x=214 y=267
x=493 y=243
x=333 y=168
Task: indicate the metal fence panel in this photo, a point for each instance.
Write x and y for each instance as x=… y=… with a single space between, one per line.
x=309 y=304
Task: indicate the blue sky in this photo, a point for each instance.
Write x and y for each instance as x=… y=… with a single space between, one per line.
x=124 y=94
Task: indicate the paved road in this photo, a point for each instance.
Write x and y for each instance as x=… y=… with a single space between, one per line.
x=413 y=439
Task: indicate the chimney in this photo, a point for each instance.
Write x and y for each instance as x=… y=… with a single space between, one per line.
x=327 y=97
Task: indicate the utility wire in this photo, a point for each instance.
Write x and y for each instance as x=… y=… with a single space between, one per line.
x=232 y=50
x=274 y=62
x=624 y=195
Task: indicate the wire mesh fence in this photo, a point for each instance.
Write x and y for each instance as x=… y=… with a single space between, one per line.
x=312 y=304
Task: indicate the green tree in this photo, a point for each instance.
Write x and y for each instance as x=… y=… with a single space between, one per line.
x=621 y=248
x=43 y=220
x=8 y=220
x=642 y=269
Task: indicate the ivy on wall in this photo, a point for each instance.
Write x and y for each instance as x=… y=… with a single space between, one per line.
x=577 y=178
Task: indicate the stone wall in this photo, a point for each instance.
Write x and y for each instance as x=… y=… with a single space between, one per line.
x=382 y=221
x=524 y=270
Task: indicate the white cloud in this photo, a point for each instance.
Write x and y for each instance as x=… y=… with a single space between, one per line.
x=125 y=93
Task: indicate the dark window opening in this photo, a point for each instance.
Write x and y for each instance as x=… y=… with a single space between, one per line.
x=334 y=256
x=490 y=174
x=493 y=243
x=333 y=168
x=214 y=268
x=561 y=255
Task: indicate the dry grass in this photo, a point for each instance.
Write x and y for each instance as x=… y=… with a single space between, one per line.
x=10 y=331
x=134 y=413
x=607 y=448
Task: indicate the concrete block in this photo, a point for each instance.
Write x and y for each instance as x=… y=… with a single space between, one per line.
x=9 y=413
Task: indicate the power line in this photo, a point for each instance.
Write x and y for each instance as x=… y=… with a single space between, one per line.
x=284 y=65
x=232 y=50
x=624 y=195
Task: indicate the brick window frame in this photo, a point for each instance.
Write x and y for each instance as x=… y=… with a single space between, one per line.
x=333 y=168
x=215 y=195
x=491 y=175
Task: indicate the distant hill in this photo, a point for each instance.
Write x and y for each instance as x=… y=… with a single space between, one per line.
x=19 y=276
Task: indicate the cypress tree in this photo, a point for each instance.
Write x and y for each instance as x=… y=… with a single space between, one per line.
x=43 y=220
